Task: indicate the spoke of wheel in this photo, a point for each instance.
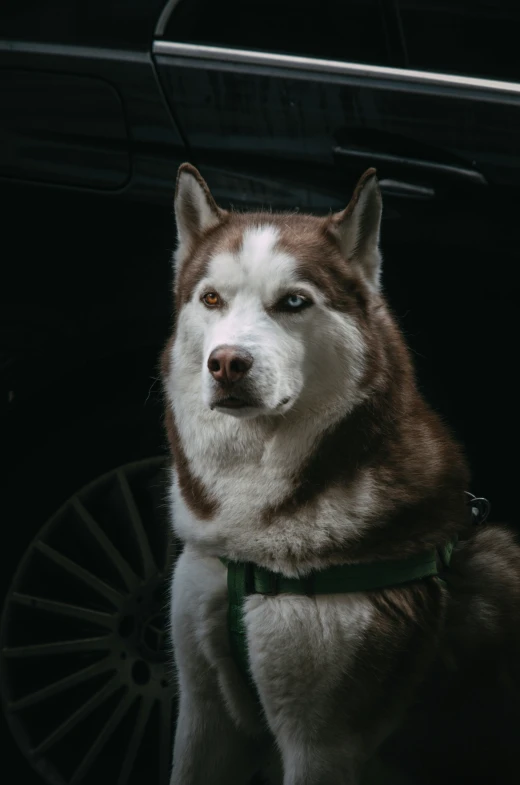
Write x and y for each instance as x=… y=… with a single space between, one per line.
x=101 y=739
x=56 y=687
x=150 y=567
x=143 y=715
x=80 y=714
x=99 y=643
x=84 y=575
x=165 y=740
x=127 y=574
x=65 y=609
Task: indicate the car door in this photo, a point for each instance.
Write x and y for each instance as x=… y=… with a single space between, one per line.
x=285 y=104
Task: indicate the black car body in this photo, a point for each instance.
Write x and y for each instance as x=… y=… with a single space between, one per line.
x=279 y=104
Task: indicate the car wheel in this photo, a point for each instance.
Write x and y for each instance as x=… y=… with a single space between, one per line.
x=86 y=682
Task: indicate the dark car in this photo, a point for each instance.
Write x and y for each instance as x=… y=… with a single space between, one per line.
x=280 y=104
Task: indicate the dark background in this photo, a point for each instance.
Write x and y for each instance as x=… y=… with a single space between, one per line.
x=93 y=126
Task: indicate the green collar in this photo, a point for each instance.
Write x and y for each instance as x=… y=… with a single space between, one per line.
x=245 y=578
x=339 y=579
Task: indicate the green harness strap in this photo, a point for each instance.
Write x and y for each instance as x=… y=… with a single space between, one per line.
x=245 y=578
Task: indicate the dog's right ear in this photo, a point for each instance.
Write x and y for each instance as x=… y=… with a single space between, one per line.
x=357 y=228
x=195 y=209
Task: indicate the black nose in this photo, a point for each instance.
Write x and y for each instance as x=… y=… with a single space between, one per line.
x=229 y=364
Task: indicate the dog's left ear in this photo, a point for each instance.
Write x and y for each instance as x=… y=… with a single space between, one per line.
x=357 y=228
x=195 y=209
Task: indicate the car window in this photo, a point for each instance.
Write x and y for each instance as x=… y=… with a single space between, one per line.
x=454 y=36
x=111 y=23
x=354 y=30
x=449 y=36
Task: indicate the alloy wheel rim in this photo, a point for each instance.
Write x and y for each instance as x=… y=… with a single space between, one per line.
x=86 y=678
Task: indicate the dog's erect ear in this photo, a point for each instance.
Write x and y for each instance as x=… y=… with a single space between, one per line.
x=357 y=228
x=195 y=209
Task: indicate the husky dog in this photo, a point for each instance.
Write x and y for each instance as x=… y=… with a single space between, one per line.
x=300 y=441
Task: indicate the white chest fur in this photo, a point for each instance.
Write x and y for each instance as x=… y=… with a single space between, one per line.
x=289 y=543
x=297 y=645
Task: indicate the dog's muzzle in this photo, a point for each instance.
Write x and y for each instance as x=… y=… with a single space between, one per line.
x=229 y=366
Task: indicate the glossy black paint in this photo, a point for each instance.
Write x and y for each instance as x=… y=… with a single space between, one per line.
x=117 y=111
x=52 y=125
x=224 y=108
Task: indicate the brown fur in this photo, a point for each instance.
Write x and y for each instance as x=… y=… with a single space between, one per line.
x=421 y=475
x=463 y=726
x=193 y=490
x=397 y=653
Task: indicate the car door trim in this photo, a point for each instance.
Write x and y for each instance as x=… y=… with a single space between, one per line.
x=427 y=78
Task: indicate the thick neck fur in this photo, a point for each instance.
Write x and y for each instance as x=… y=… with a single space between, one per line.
x=375 y=479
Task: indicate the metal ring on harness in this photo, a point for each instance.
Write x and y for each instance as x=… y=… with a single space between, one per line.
x=480 y=508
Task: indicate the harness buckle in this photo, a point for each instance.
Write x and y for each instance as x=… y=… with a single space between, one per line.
x=479 y=508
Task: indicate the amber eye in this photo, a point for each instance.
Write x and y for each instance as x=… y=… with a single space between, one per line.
x=211 y=299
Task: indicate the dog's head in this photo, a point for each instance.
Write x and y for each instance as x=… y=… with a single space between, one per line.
x=272 y=308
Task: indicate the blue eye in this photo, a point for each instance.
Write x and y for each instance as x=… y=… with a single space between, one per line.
x=294 y=302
